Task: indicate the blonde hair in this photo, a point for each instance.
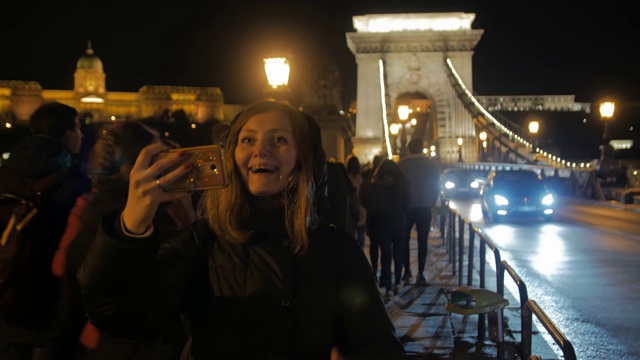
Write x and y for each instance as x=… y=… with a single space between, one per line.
x=227 y=208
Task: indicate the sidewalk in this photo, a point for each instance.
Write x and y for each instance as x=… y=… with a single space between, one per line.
x=428 y=331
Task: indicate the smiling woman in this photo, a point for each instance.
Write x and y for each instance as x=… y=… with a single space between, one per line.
x=260 y=275
x=266 y=153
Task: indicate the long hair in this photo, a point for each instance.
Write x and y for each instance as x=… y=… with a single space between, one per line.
x=389 y=172
x=227 y=208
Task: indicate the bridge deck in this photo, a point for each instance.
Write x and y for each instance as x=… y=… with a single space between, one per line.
x=428 y=331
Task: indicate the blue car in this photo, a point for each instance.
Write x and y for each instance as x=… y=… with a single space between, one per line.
x=516 y=193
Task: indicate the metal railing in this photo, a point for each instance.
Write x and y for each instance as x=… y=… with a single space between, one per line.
x=455 y=245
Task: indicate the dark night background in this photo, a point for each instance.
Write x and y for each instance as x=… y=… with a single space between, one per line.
x=528 y=48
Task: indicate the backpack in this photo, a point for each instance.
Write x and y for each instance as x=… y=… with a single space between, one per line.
x=19 y=208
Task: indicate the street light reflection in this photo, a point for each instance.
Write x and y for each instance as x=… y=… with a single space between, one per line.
x=550 y=252
x=475 y=213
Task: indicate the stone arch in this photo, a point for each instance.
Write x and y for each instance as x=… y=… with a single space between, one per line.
x=420 y=105
x=407 y=60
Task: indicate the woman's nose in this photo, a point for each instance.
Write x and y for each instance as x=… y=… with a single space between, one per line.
x=262 y=147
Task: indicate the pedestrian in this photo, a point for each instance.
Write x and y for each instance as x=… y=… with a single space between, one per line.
x=354 y=170
x=342 y=195
x=388 y=208
x=423 y=175
x=71 y=335
x=53 y=146
x=365 y=198
x=259 y=276
x=219 y=133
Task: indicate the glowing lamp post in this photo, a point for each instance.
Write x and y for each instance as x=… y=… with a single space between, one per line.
x=394 y=129
x=277 y=70
x=459 y=149
x=403 y=116
x=607 y=109
x=483 y=149
x=534 y=126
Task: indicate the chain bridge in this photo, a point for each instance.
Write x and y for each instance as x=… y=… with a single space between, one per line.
x=423 y=61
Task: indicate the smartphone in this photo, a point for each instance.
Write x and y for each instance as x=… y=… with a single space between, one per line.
x=207 y=171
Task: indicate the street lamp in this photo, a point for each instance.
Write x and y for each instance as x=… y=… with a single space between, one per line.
x=277 y=70
x=403 y=115
x=533 y=129
x=607 y=109
x=459 y=149
x=483 y=150
x=394 y=129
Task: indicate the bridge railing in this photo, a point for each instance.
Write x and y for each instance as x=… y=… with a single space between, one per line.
x=453 y=221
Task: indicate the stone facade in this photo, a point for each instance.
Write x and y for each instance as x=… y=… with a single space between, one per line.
x=409 y=58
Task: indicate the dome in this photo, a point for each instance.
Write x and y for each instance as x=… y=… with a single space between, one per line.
x=89 y=61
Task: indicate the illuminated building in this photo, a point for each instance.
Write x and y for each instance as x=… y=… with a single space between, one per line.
x=18 y=99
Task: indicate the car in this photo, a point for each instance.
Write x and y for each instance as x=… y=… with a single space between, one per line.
x=461 y=182
x=513 y=193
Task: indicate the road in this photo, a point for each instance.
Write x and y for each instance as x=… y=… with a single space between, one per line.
x=583 y=268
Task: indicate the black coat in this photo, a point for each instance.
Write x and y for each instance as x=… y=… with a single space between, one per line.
x=70 y=318
x=250 y=301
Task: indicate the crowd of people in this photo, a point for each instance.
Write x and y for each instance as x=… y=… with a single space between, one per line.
x=272 y=266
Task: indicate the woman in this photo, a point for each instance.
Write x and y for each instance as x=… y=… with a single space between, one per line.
x=113 y=156
x=354 y=170
x=388 y=208
x=260 y=277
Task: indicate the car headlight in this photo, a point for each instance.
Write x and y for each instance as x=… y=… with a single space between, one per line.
x=500 y=200
x=449 y=185
x=547 y=200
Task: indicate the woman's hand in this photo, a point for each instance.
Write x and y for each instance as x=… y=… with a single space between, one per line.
x=145 y=187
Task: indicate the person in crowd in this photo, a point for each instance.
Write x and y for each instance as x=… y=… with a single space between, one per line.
x=52 y=147
x=219 y=133
x=364 y=195
x=342 y=197
x=388 y=208
x=334 y=192
x=424 y=185
x=71 y=335
x=259 y=276
x=354 y=171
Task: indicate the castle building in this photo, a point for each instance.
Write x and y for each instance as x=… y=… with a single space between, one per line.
x=18 y=99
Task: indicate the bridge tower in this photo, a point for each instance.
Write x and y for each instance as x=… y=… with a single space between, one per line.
x=400 y=59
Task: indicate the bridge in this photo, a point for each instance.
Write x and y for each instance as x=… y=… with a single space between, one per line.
x=424 y=62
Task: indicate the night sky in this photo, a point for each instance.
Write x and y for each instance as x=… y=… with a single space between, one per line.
x=528 y=47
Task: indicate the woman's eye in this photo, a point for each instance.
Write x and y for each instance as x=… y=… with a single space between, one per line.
x=246 y=140
x=281 y=140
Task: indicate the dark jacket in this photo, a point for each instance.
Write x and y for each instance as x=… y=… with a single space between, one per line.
x=389 y=200
x=33 y=158
x=249 y=301
x=343 y=200
x=423 y=175
x=70 y=322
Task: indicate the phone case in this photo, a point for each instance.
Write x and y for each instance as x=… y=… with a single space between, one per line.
x=207 y=171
